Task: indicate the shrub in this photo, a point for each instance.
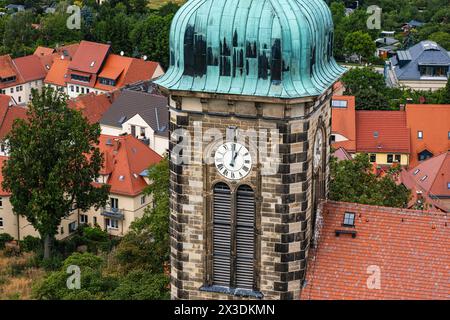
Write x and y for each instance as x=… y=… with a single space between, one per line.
x=142 y=285
x=5 y=238
x=30 y=243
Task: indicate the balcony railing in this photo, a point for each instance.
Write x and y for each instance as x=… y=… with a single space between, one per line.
x=111 y=212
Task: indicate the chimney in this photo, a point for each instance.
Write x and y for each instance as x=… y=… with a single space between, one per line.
x=116 y=145
x=402 y=107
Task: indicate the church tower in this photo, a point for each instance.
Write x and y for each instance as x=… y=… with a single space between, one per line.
x=244 y=209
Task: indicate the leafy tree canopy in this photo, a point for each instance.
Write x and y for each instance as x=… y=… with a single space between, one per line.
x=53 y=160
x=353 y=181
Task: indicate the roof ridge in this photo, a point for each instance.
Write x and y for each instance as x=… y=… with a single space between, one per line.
x=393 y=210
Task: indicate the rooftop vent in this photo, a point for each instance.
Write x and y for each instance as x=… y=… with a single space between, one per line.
x=339 y=232
x=122 y=178
x=122 y=119
x=92 y=63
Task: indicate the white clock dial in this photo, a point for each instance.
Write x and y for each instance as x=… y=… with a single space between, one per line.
x=318 y=146
x=233 y=161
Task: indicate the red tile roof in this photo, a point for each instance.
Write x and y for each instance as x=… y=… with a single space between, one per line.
x=7 y=116
x=3 y=193
x=89 y=57
x=7 y=70
x=125 y=70
x=43 y=51
x=126 y=158
x=393 y=134
x=343 y=122
x=434 y=122
x=431 y=178
x=30 y=68
x=58 y=73
x=93 y=106
x=409 y=247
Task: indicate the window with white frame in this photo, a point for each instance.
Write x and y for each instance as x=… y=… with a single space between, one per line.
x=84 y=218
x=114 y=202
x=112 y=223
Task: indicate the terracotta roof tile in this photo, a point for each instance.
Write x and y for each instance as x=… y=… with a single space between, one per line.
x=430 y=177
x=93 y=106
x=89 y=57
x=43 y=51
x=7 y=70
x=344 y=122
x=126 y=158
x=382 y=131
x=30 y=68
x=57 y=74
x=410 y=248
x=434 y=122
x=7 y=116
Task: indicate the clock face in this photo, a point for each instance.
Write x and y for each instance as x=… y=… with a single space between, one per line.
x=233 y=161
x=318 y=146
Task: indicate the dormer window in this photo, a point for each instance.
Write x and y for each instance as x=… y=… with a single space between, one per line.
x=107 y=82
x=8 y=79
x=339 y=103
x=78 y=77
x=433 y=71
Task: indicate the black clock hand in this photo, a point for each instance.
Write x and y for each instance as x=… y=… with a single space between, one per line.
x=233 y=155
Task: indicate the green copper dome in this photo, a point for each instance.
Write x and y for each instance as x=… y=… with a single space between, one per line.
x=269 y=48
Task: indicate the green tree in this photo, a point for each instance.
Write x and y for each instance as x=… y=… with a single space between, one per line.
x=368 y=87
x=361 y=44
x=353 y=181
x=142 y=285
x=19 y=35
x=94 y=284
x=150 y=37
x=445 y=98
x=53 y=161
x=147 y=244
x=54 y=30
x=442 y=38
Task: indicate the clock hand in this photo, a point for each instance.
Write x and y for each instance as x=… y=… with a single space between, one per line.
x=233 y=155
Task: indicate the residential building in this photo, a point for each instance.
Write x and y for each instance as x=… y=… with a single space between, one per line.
x=343 y=124
x=429 y=182
x=383 y=135
x=93 y=106
x=125 y=170
x=376 y=253
x=94 y=68
x=19 y=76
x=430 y=130
x=8 y=113
x=424 y=66
x=142 y=115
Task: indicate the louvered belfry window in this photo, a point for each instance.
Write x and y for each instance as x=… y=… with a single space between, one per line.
x=222 y=235
x=245 y=237
x=233 y=231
